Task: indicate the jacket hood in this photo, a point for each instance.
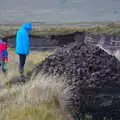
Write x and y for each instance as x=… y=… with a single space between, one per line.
x=27 y=26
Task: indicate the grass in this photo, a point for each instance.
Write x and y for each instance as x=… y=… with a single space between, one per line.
x=32 y=59
x=41 y=112
x=36 y=57
x=38 y=99
x=41 y=30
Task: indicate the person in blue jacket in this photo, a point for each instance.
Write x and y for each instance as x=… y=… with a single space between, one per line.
x=23 y=46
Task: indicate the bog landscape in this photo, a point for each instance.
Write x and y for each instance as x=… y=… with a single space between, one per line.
x=72 y=73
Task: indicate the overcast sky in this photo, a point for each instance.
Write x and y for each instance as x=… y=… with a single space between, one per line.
x=59 y=10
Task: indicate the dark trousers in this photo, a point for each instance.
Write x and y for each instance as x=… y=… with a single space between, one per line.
x=22 y=59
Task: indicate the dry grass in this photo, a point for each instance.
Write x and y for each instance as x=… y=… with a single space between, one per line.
x=38 y=99
x=41 y=112
x=36 y=57
x=109 y=28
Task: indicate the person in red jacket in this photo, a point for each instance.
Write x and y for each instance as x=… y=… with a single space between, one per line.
x=3 y=54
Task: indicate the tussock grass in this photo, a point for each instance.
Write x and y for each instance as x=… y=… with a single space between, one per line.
x=38 y=99
x=42 y=89
x=41 y=112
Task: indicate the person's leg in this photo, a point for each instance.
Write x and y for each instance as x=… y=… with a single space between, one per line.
x=22 y=59
x=0 y=65
x=4 y=66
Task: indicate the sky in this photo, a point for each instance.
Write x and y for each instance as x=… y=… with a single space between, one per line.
x=52 y=11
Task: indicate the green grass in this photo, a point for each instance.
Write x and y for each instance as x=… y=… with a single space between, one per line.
x=109 y=28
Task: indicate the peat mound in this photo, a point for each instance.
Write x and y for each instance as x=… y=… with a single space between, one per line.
x=92 y=79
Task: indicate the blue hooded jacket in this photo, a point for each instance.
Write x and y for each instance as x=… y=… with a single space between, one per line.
x=22 y=39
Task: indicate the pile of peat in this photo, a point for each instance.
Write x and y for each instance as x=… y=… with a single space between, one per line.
x=92 y=84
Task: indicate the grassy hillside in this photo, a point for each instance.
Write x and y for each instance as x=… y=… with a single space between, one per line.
x=111 y=28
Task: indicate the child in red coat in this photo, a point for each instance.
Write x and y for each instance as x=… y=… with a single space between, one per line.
x=3 y=55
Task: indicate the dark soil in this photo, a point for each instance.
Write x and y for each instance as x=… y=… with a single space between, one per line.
x=92 y=76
